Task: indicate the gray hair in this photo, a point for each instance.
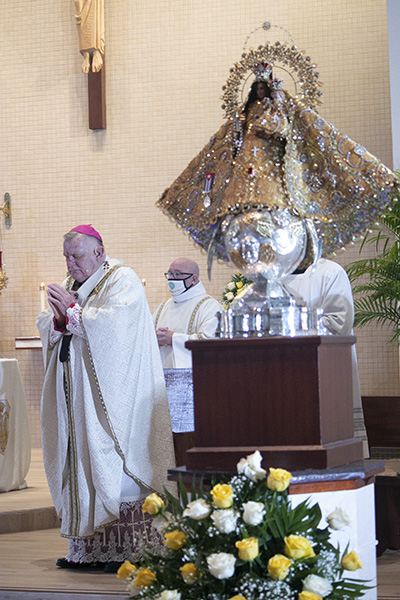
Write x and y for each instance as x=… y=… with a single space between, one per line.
x=71 y=234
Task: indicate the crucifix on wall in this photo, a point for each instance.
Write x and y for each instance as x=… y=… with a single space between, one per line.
x=89 y=17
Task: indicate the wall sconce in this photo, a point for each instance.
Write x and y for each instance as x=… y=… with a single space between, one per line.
x=3 y=278
x=6 y=208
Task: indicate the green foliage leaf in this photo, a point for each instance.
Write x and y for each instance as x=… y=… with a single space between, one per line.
x=377 y=295
x=237 y=283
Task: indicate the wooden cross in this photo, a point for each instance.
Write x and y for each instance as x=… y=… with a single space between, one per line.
x=97 y=98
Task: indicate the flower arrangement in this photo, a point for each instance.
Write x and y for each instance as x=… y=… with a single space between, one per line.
x=237 y=284
x=243 y=540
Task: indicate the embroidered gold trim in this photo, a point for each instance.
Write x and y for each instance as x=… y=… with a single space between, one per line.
x=160 y=309
x=69 y=283
x=74 y=507
x=103 y=280
x=193 y=316
x=4 y=424
x=99 y=529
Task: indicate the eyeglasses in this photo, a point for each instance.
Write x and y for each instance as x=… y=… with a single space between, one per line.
x=177 y=275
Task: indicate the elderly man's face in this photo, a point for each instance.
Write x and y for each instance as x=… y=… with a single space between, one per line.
x=83 y=257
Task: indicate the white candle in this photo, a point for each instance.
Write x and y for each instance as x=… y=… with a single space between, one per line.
x=42 y=297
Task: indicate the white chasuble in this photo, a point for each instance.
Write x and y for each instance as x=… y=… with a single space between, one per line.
x=105 y=409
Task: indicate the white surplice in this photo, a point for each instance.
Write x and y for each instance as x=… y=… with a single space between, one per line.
x=105 y=410
x=191 y=316
x=327 y=286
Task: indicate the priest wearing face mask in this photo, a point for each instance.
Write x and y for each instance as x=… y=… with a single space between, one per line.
x=190 y=314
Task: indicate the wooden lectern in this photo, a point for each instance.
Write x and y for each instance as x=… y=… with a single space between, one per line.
x=289 y=398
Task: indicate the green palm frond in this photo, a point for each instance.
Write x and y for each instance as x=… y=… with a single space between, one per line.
x=368 y=310
x=366 y=266
x=377 y=296
x=391 y=218
x=385 y=286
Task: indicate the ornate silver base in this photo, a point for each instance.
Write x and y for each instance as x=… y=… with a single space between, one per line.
x=291 y=320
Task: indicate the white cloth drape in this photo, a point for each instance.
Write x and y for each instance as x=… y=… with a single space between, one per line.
x=15 y=441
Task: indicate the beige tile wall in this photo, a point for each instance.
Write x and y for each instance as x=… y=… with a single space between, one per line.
x=166 y=64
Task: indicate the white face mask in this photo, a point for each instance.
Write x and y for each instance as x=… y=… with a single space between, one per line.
x=176 y=287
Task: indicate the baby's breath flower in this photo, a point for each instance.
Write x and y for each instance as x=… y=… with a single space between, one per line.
x=241 y=510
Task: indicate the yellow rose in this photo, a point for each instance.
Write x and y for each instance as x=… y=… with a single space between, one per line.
x=144 y=578
x=278 y=567
x=125 y=570
x=248 y=548
x=237 y=598
x=189 y=573
x=297 y=546
x=222 y=495
x=351 y=562
x=239 y=284
x=309 y=596
x=153 y=504
x=278 y=479
x=175 y=539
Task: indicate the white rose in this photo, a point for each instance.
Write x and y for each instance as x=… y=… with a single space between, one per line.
x=169 y=595
x=198 y=509
x=253 y=512
x=225 y=520
x=161 y=522
x=231 y=286
x=229 y=296
x=221 y=565
x=254 y=460
x=317 y=585
x=251 y=466
x=338 y=519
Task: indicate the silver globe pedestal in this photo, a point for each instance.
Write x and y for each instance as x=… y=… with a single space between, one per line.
x=267 y=246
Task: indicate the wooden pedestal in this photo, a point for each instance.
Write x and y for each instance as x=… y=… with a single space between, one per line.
x=289 y=398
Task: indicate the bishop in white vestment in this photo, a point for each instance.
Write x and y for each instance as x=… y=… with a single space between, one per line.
x=105 y=421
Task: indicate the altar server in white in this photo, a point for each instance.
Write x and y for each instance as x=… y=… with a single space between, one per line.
x=327 y=286
x=190 y=314
x=105 y=421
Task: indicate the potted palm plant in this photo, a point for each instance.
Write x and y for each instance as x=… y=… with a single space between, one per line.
x=377 y=296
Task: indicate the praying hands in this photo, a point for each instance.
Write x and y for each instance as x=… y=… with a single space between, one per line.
x=59 y=300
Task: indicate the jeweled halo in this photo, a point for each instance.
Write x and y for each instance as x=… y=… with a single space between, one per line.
x=279 y=56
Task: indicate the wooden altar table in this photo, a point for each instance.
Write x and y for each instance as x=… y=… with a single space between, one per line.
x=289 y=398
